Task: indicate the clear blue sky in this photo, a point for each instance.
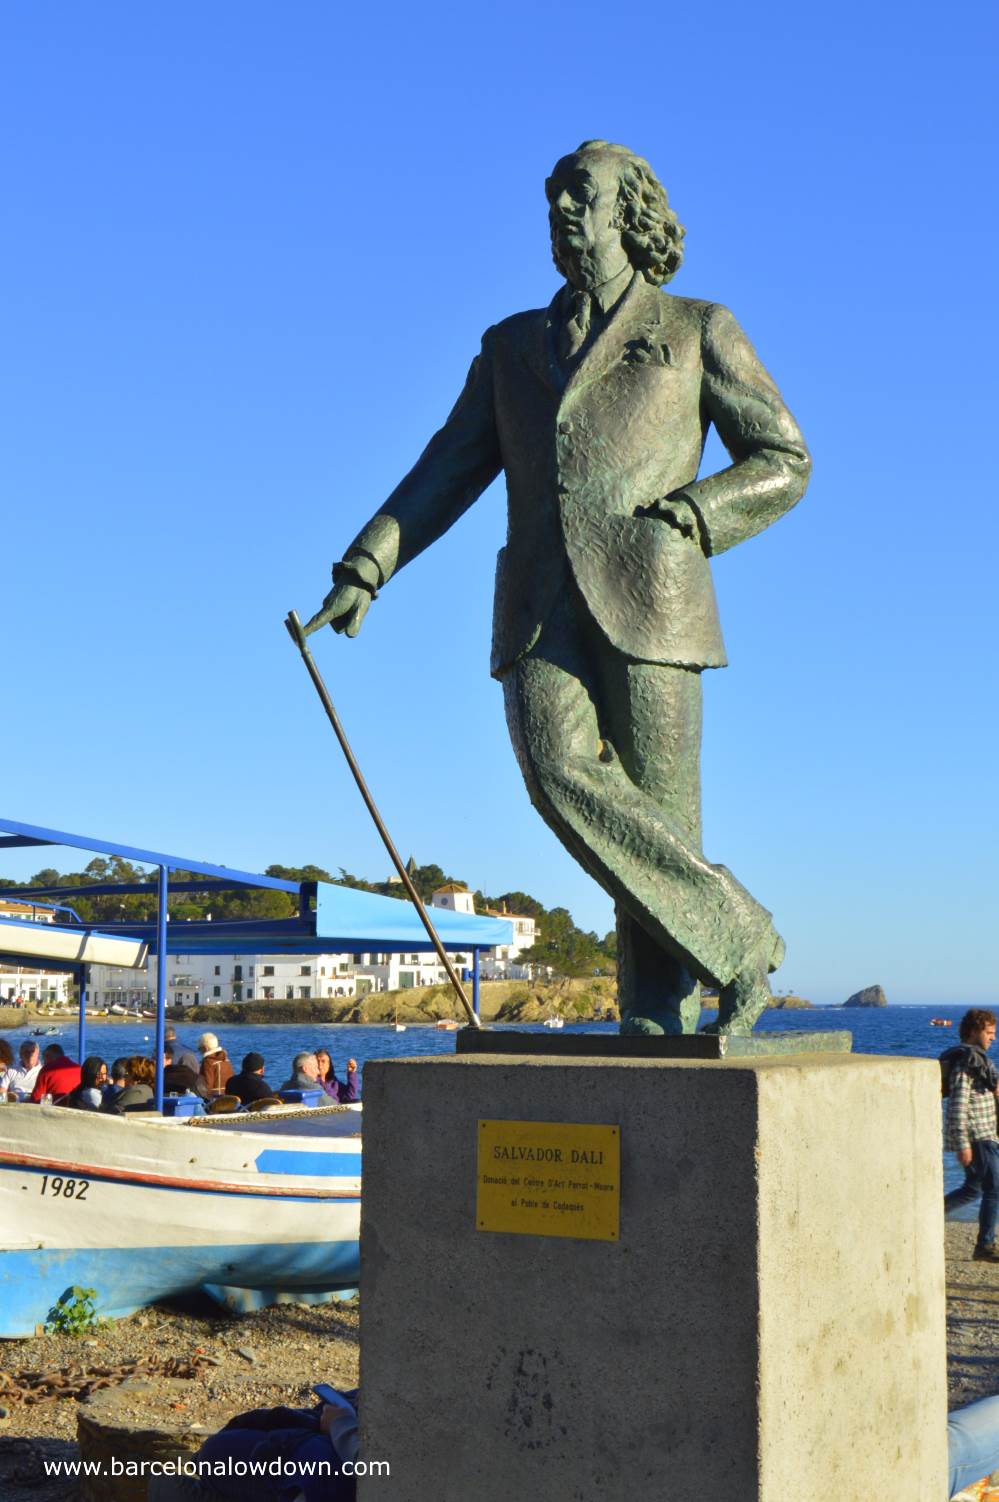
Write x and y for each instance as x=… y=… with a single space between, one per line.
x=249 y=250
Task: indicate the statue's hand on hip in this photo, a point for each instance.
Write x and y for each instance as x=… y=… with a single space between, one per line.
x=677 y=512
x=344 y=608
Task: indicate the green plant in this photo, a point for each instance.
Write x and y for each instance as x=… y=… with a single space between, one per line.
x=75 y=1313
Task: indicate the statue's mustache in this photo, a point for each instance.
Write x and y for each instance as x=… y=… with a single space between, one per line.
x=564 y=224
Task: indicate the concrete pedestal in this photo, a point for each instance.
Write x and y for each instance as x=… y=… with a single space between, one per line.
x=768 y=1325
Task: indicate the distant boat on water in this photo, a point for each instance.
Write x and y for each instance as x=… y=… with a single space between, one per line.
x=941 y=1022
x=554 y=1022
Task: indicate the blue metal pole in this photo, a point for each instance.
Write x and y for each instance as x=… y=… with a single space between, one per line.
x=161 y=981
x=81 y=1032
x=475 y=981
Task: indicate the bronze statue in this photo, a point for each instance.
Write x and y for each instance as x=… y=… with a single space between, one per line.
x=597 y=408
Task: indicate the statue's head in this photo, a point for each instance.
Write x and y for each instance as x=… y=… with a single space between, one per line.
x=607 y=209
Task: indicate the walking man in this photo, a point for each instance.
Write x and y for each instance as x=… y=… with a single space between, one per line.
x=597 y=408
x=971 y=1125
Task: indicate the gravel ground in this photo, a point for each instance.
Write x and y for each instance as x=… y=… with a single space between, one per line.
x=972 y=1319
x=255 y=1361
x=273 y=1357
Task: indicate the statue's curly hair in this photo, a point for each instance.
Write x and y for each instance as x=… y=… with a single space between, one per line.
x=651 y=233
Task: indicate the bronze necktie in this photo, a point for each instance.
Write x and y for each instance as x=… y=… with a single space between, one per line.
x=576 y=326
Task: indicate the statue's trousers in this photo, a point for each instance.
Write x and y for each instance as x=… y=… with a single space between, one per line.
x=610 y=749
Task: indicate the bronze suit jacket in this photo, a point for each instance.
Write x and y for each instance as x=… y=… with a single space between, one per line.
x=584 y=456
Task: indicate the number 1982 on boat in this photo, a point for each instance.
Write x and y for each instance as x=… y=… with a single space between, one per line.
x=69 y=1189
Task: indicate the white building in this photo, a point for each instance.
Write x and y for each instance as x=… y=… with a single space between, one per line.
x=201 y=979
x=455 y=898
x=499 y=963
x=26 y=984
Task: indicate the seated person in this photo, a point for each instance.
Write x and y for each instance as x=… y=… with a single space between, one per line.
x=216 y=1069
x=58 y=1075
x=972 y=1443
x=325 y=1435
x=27 y=1069
x=138 y=1094
x=89 y=1093
x=344 y=1091
x=181 y=1053
x=118 y=1079
x=178 y=1078
x=249 y=1084
x=304 y=1072
x=6 y=1064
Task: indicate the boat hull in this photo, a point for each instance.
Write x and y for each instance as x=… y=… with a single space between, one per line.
x=138 y=1210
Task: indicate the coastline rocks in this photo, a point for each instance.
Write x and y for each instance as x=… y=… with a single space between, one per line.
x=870 y=996
x=779 y=1003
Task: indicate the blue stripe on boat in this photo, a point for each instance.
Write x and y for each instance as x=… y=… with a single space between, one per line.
x=125 y=1279
x=314 y=1165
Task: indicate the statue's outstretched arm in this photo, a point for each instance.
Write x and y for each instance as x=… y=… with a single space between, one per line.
x=454 y=469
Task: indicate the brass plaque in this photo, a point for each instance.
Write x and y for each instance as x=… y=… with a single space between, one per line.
x=549 y=1178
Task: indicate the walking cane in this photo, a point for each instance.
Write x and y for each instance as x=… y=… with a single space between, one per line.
x=297 y=634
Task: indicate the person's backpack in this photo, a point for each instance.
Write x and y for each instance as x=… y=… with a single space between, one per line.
x=946 y=1062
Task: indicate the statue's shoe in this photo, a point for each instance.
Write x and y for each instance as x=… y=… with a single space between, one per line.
x=641 y=1027
x=747 y=995
x=742 y=1020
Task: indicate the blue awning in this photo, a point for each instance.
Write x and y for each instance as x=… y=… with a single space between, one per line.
x=350 y=917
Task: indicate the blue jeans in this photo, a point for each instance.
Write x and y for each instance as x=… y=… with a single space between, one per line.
x=972 y=1443
x=981 y=1177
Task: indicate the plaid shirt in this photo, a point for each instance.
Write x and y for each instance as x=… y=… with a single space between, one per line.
x=971 y=1114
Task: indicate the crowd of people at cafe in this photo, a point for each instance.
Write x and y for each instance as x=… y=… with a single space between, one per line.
x=48 y=1076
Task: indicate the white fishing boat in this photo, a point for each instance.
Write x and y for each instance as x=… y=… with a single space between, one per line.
x=253 y=1207
x=554 y=1022
x=138 y=1207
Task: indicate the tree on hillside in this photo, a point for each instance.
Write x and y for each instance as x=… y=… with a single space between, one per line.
x=427 y=879
x=512 y=902
x=106 y=907
x=345 y=879
x=300 y=873
x=566 y=949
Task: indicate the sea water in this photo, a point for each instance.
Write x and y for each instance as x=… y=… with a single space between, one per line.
x=903 y=1030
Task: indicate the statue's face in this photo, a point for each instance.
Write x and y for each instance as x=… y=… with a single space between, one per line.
x=582 y=210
